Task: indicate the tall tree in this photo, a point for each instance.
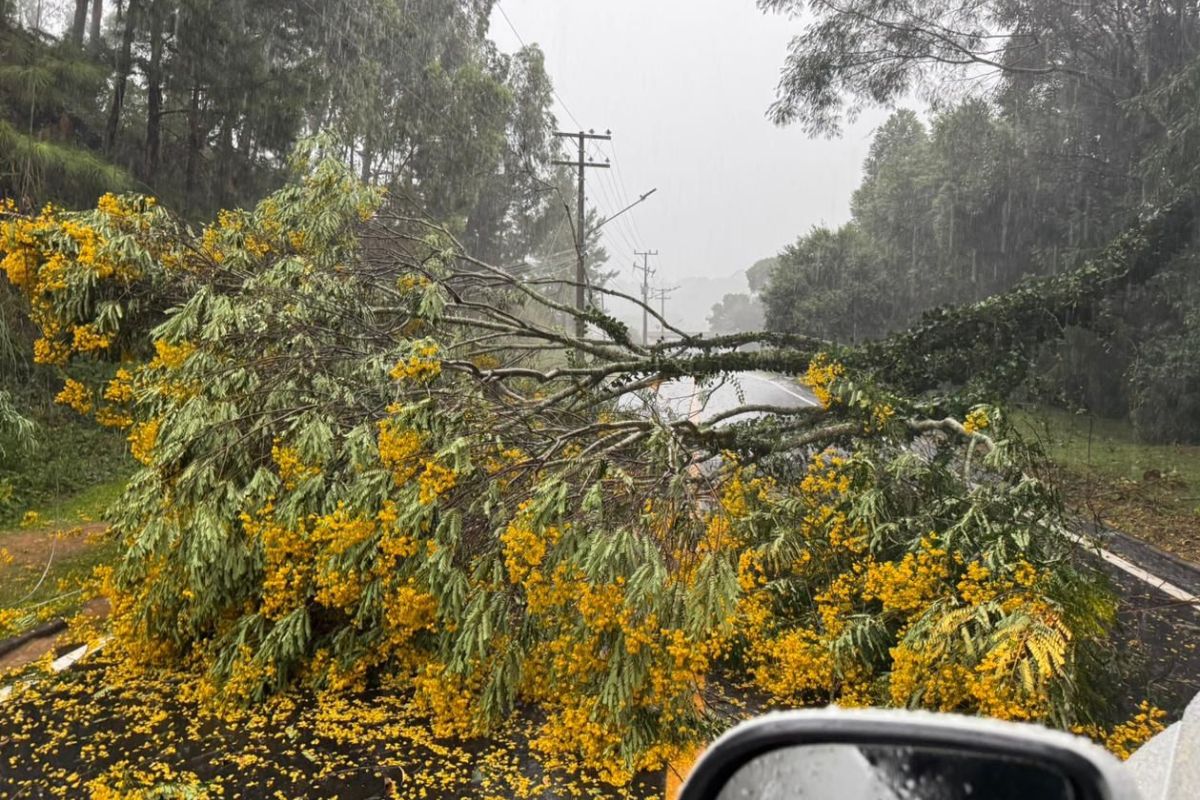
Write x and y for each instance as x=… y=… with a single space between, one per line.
x=124 y=67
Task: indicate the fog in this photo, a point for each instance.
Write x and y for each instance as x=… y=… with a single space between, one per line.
x=684 y=86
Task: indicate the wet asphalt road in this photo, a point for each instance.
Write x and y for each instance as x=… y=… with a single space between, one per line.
x=1160 y=630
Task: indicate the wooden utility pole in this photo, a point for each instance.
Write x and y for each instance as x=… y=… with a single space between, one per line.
x=661 y=294
x=580 y=218
x=644 y=268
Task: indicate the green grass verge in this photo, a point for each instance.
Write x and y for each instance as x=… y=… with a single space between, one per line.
x=18 y=581
x=73 y=473
x=1109 y=447
x=1145 y=490
x=87 y=506
x=19 y=584
x=74 y=467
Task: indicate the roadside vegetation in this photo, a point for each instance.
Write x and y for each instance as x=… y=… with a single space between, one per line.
x=391 y=497
x=68 y=471
x=1151 y=491
x=55 y=486
x=337 y=496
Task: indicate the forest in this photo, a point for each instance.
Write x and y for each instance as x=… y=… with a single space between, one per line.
x=1083 y=120
x=291 y=286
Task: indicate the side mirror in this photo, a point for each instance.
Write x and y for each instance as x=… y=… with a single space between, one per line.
x=836 y=754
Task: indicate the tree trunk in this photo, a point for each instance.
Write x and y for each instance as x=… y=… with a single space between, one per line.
x=154 y=94
x=225 y=162
x=79 y=23
x=124 y=66
x=368 y=155
x=97 y=18
x=195 y=141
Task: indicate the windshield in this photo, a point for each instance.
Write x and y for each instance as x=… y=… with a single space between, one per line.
x=446 y=398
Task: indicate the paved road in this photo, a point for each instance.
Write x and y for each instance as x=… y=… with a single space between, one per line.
x=1159 y=617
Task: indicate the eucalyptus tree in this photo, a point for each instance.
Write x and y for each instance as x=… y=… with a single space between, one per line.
x=1051 y=126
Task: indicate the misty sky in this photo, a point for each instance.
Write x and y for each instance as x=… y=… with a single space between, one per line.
x=684 y=85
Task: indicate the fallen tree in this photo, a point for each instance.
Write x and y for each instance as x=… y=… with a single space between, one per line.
x=371 y=460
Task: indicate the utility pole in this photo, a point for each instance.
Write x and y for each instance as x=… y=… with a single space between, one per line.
x=580 y=236
x=661 y=294
x=644 y=268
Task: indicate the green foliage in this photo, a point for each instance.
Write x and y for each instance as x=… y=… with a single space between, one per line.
x=1029 y=179
x=990 y=346
x=358 y=471
x=826 y=285
x=759 y=273
x=1166 y=389
x=56 y=459
x=47 y=106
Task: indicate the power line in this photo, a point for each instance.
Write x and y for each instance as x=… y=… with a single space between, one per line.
x=624 y=190
x=626 y=230
x=553 y=90
x=619 y=202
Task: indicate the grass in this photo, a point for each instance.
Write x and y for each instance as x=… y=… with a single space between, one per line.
x=68 y=478
x=62 y=474
x=56 y=557
x=1108 y=446
x=19 y=584
x=1150 y=491
x=87 y=506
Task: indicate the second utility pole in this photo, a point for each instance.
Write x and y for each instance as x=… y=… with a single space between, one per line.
x=581 y=231
x=646 y=273
x=661 y=294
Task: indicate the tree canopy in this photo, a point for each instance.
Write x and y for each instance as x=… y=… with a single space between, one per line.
x=366 y=462
x=1048 y=129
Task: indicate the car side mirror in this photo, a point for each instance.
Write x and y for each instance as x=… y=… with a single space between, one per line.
x=836 y=754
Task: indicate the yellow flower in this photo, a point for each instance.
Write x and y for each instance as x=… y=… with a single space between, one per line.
x=171 y=356
x=398 y=449
x=882 y=414
x=49 y=351
x=976 y=421
x=142 y=440
x=422 y=366
x=822 y=373
x=111 y=418
x=120 y=388
x=111 y=205
x=75 y=395
x=795 y=666
x=87 y=339
x=435 y=481
x=292 y=470
x=1127 y=737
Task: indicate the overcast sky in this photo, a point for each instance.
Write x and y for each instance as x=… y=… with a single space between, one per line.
x=684 y=86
